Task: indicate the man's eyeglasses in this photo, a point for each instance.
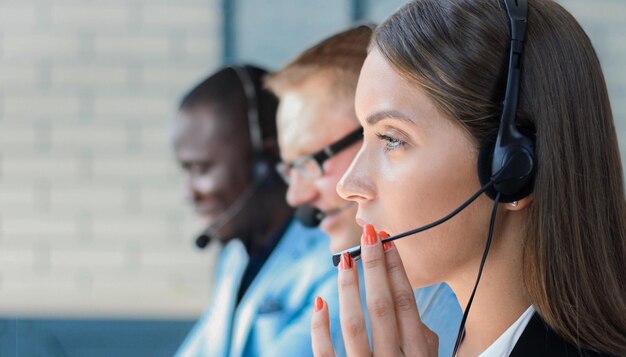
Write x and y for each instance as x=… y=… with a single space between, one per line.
x=311 y=166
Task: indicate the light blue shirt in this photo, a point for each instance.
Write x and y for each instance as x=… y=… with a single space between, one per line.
x=273 y=317
x=440 y=310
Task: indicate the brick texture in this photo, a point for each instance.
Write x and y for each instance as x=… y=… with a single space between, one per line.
x=91 y=210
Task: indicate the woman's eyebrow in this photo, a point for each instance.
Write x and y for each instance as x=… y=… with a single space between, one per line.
x=376 y=117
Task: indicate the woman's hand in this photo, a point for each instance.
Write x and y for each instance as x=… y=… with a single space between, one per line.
x=396 y=326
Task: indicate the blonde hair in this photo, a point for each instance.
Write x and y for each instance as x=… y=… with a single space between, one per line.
x=340 y=56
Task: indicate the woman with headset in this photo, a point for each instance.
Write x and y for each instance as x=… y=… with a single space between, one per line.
x=516 y=87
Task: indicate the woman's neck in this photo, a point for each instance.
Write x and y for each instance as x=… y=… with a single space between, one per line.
x=500 y=297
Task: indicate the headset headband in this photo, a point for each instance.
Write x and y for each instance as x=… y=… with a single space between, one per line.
x=254 y=125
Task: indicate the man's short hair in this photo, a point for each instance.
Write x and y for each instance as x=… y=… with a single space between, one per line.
x=225 y=91
x=341 y=56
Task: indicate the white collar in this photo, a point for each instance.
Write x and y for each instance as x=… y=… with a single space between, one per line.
x=504 y=345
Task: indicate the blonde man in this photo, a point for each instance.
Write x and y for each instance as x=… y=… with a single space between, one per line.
x=319 y=135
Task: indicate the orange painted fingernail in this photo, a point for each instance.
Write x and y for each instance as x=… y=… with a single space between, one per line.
x=369 y=235
x=386 y=245
x=346 y=261
x=319 y=304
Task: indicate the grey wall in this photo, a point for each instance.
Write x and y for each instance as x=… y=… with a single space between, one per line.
x=270 y=33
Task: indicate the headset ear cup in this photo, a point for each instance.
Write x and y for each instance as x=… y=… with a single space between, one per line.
x=485 y=157
x=259 y=171
x=263 y=174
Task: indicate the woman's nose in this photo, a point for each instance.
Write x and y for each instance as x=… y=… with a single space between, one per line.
x=357 y=184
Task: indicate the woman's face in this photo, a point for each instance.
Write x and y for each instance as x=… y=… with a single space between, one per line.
x=415 y=166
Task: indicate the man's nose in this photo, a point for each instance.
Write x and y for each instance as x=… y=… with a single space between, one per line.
x=194 y=187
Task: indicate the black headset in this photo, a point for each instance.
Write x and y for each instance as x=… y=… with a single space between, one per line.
x=261 y=166
x=507 y=158
x=506 y=164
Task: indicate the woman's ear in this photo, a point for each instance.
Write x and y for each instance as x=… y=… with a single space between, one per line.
x=519 y=205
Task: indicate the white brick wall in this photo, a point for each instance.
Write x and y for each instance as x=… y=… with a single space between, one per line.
x=18 y=46
x=89 y=16
x=91 y=211
x=17 y=14
x=31 y=104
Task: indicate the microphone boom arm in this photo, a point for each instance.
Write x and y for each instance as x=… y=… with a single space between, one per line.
x=355 y=252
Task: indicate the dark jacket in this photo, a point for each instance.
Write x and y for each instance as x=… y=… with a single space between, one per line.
x=539 y=340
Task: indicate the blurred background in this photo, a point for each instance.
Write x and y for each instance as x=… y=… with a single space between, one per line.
x=96 y=241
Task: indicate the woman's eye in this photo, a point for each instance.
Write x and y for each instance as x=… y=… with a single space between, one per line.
x=391 y=143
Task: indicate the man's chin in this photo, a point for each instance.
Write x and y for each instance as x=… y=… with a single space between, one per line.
x=331 y=227
x=336 y=247
x=341 y=236
x=342 y=241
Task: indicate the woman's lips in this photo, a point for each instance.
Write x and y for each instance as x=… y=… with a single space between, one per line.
x=362 y=222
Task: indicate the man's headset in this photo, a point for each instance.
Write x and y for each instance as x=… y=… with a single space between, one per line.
x=506 y=162
x=261 y=163
x=261 y=166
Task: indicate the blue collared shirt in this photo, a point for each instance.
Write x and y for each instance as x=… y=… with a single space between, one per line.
x=273 y=317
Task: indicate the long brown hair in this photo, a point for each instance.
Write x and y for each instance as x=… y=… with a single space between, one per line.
x=575 y=248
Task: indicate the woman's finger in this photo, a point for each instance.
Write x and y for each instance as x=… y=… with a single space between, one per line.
x=380 y=304
x=320 y=330
x=351 y=311
x=412 y=338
